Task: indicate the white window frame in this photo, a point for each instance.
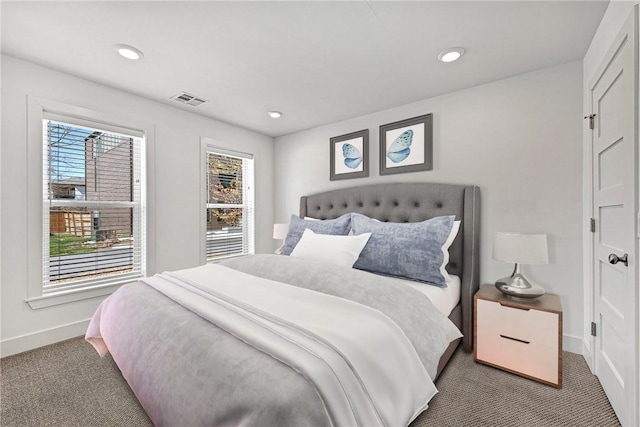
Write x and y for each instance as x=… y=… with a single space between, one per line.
x=208 y=145
x=40 y=109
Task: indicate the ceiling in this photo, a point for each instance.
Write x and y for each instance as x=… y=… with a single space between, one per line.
x=317 y=62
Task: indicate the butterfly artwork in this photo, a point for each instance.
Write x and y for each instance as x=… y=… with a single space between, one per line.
x=400 y=148
x=407 y=145
x=349 y=155
x=352 y=156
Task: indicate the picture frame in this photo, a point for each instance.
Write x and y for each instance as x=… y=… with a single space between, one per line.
x=407 y=145
x=349 y=156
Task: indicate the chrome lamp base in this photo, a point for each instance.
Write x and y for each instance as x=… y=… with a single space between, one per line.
x=518 y=287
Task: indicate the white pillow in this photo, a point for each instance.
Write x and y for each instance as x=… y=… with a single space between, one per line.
x=445 y=250
x=333 y=249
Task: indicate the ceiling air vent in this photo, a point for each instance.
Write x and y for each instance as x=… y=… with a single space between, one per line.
x=188 y=99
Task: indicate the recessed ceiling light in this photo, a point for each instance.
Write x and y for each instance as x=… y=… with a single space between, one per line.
x=129 y=52
x=274 y=114
x=451 y=54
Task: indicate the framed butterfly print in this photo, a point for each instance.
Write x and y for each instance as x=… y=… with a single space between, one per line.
x=349 y=155
x=407 y=145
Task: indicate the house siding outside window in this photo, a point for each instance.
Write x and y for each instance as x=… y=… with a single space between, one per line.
x=93 y=206
x=229 y=204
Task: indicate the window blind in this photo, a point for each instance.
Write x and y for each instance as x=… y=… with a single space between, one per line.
x=93 y=206
x=230 y=205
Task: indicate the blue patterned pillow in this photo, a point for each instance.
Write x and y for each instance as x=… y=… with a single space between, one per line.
x=410 y=250
x=297 y=225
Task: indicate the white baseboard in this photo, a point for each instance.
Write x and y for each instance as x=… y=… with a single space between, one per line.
x=572 y=344
x=27 y=342
x=588 y=357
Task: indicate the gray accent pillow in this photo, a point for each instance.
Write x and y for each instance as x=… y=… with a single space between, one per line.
x=297 y=225
x=409 y=250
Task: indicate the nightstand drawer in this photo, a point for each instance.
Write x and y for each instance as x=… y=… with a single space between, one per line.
x=534 y=326
x=520 y=356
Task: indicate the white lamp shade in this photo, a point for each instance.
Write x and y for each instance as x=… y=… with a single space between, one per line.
x=280 y=231
x=521 y=248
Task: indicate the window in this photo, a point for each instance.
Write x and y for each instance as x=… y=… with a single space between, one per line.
x=229 y=203
x=93 y=205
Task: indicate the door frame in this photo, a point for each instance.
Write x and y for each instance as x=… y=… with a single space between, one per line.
x=588 y=343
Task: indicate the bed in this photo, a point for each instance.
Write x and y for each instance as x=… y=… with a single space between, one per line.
x=414 y=202
x=240 y=342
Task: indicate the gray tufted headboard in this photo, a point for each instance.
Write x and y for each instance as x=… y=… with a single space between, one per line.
x=414 y=202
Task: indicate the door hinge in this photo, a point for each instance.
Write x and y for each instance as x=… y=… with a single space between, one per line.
x=593 y=225
x=593 y=329
x=592 y=121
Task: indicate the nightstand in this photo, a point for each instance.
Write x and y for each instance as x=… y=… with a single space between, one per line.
x=521 y=337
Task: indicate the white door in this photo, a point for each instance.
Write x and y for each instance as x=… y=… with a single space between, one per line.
x=614 y=208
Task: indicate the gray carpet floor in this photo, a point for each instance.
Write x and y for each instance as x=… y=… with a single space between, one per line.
x=67 y=384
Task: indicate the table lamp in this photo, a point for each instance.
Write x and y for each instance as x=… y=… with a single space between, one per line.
x=280 y=233
x=520 y=248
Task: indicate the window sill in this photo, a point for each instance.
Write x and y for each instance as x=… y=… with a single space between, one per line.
x=72 y=295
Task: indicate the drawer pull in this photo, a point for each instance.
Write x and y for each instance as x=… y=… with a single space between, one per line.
x=514 y=339
x=517 y=308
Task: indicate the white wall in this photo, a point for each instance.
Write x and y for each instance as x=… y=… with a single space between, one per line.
x=176 y=182
x=519 y=139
